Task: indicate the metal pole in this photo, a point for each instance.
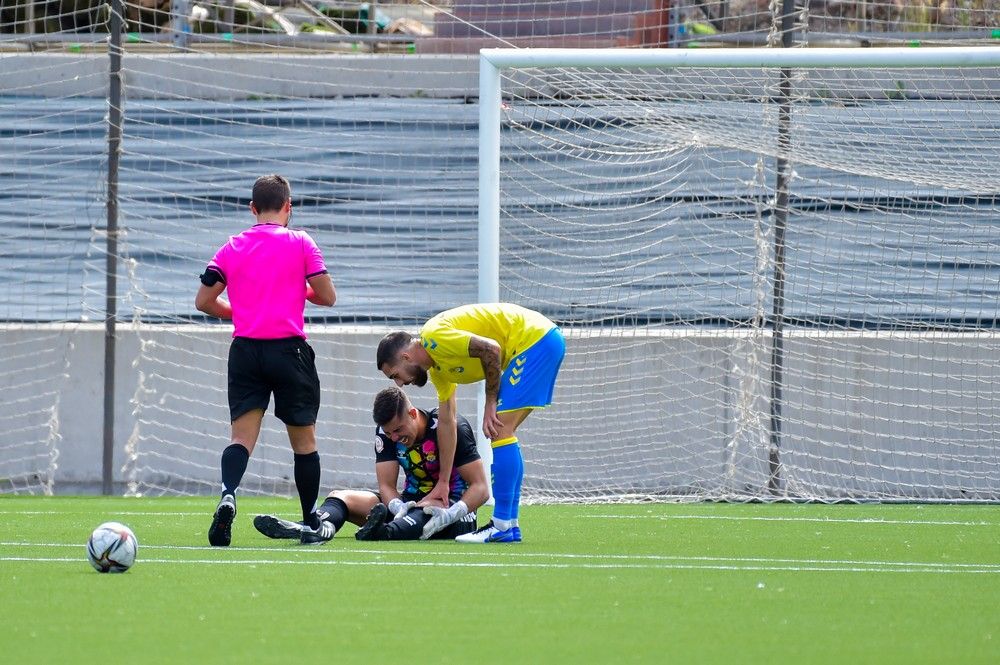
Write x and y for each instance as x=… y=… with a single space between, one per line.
x=229 y=15
x=783 y=168
x=179 y=12
x=675 y=25
x=111 y=257
x=372 y=23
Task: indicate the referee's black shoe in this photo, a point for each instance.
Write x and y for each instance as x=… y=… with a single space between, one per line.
x=275 y=527
x=220 y=533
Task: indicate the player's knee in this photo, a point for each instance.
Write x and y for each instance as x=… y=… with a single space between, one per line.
x=347 y=496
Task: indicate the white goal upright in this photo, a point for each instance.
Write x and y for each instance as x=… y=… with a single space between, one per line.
x=778 y=269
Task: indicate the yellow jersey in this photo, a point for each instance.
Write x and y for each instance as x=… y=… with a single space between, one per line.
x=446 y=337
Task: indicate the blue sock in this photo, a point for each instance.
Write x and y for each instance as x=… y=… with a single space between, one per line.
x=508 y=469
x=517 y=487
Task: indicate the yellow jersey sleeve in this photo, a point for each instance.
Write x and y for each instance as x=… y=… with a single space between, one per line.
x=448 y=347
x=446 y=338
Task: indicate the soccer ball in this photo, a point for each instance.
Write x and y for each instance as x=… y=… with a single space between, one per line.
x=112 y=548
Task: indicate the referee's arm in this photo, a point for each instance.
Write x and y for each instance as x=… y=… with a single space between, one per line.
x=320 y=290
x=209 y=300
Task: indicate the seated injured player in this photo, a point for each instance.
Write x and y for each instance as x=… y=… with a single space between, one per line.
x=405 y=440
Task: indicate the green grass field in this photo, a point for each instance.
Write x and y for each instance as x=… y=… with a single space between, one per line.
x=650 y=583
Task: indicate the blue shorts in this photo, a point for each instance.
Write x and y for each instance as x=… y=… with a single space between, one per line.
x=530 y=377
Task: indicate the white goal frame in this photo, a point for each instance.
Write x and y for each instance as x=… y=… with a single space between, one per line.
x=493 y=62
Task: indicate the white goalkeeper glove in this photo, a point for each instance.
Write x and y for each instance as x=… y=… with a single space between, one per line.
x=399 y=508
x=442 y=517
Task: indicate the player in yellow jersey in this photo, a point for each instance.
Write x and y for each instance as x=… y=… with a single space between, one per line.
x=517 y=352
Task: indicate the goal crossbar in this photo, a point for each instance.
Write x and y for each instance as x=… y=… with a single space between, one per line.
x=943 y=56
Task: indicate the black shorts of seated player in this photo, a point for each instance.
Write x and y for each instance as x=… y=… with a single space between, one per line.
x=366 y=509
x=381 y=525
x=286 y=367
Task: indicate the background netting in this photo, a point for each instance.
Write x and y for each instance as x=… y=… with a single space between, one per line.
x=637 y=207
x=640 y=208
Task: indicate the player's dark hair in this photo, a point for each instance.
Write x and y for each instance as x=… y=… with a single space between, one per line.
x=270 y=193
x=389 y=403
x=391 y=346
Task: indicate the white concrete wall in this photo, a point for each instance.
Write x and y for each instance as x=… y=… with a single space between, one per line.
x=182 y=406
x=230 y=76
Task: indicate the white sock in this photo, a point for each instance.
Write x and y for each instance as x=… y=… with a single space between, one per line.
x=502 y=525
x=459 y=510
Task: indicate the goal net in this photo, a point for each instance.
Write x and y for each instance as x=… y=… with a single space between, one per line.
x=777 y=269
x=52 y=282
x=397 y=244
x=777 y=279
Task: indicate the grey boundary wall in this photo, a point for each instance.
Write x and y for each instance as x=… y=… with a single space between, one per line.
x=194 y=357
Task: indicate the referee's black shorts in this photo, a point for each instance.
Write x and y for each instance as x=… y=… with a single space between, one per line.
x=285 y=367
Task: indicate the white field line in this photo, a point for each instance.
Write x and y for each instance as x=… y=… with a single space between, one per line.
x=822 y=520
x=735 y=518
x=577 y=560
x=508 y=565
x=140 y=513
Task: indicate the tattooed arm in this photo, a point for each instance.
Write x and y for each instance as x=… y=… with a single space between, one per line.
x=489 y=354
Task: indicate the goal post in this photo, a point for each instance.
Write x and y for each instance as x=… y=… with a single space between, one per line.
x=637 y=197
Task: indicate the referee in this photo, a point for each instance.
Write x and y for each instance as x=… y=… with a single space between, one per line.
x=269 y=271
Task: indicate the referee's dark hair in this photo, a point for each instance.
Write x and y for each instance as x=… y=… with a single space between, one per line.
x=389 y=403
x=390 y=347
x=270 y=193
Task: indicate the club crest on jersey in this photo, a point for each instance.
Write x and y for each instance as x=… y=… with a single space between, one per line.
x=379 y=444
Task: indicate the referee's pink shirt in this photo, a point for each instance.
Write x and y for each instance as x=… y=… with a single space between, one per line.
x=265 y=269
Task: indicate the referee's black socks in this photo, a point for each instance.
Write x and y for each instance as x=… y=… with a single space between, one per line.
x=307 y=473
x=234 y=465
